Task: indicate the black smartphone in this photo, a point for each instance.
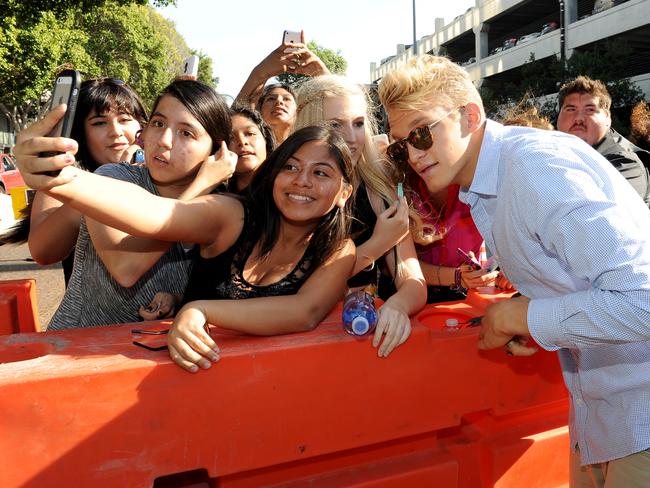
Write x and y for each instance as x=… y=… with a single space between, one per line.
x=66 y=90
x=473 y=262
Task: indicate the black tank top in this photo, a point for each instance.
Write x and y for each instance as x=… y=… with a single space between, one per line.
x=363 y=224
x=222 y=276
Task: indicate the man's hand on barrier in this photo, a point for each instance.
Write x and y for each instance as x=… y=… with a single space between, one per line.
x=505 y=324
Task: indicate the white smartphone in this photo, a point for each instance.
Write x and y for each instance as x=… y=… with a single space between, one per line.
x=291 y=37
x=191 y=66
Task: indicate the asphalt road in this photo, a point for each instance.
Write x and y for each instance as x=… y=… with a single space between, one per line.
x=15 y=263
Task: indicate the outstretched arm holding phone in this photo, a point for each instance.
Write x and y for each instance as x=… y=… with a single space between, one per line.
x=289 y=56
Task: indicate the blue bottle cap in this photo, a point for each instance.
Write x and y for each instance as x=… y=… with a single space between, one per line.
x=360 y=325
x=138 y=157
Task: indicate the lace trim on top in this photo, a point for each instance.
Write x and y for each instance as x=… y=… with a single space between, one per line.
x=238 y=287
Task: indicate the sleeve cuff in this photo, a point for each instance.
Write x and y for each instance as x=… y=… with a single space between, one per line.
x=544 y=322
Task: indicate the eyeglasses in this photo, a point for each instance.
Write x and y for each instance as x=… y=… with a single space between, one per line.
x=420 y=138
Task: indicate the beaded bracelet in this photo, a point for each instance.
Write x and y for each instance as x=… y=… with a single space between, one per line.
x=458 y=282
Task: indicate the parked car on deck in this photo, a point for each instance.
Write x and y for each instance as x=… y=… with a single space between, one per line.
x=602 y=5
x=508 y=43
x=548 y=27
x=528 y=37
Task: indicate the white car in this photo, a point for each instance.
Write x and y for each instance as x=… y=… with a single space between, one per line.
x=528 y=37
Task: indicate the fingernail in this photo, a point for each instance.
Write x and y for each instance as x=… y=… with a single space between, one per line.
x=205 y=364
x=69 y=158
x=214 y=358
x=194 y=368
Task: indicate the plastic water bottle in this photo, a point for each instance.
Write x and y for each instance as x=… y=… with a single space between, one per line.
x=138 y=157
x=359 y=313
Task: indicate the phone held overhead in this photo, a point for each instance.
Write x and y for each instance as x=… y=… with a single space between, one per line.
x=191 y=66
x=291 y=37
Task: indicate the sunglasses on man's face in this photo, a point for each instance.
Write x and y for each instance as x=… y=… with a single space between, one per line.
x=420 y=138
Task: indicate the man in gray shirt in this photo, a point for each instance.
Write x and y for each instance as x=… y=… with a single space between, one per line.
x=585 y=113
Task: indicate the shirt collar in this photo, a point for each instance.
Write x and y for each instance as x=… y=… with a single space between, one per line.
x=486 y=175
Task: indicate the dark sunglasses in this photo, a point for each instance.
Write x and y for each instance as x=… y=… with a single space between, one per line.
x=420 y=138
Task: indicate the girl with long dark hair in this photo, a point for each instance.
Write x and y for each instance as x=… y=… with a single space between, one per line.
x=115 y=273
x=284 y=248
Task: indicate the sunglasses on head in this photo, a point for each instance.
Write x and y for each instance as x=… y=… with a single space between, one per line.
x=420 y=138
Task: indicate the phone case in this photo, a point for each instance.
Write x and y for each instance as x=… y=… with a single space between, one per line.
x=291 y=37
x=468 y=259
x=191 y=66
x=66 y=90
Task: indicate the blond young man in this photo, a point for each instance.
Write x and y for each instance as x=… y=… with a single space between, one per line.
x=568 y=234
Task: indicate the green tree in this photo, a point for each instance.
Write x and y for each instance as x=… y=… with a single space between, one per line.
x=31 y=56
x=607 y=62
x=334 y=61
x=118 y=38
x=136 y=44
x=205 y=70
x=29 y=11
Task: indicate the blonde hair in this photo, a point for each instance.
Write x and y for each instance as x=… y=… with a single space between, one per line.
x=377 y=173
x=524 y=114
x=416 y=85
x=426 y=78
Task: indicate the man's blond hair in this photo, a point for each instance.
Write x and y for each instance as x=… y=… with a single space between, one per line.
x=425 y=78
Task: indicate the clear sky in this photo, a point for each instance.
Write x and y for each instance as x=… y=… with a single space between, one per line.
x=238 y=34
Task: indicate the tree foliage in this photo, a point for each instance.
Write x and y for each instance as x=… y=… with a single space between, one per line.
x=541 y=79
x=118 y=38
x=334 y=61
x=205 y=69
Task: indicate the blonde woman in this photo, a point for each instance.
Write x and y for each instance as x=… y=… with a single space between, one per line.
x=380 y=226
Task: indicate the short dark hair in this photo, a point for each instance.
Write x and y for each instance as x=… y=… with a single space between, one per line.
x=205 y=104
x=333 y=228
x=584 y=84
x=272 y=86
x=103 y=95
x=255 y=117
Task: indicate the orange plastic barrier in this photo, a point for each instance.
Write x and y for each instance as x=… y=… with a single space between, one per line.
x=88 y=408
x=18 y=307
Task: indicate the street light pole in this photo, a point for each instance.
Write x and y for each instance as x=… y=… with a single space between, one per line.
x=415 y=42
x=562 y=39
